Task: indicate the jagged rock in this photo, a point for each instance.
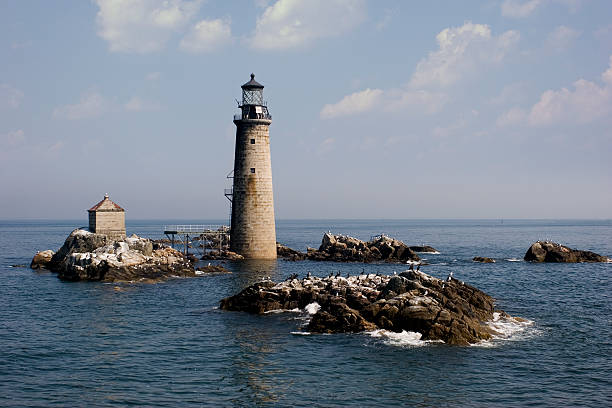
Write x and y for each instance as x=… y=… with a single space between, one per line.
x=546 y=251
x=450 y=310
x=423 y=248
x=283 y=251
x=339 y=318
x=41 y=259
x=78 y=241
x=221 y=255
x=95 y=257
x=342 y=248
x=211 y=269
x=138 y=244
x=483 y=259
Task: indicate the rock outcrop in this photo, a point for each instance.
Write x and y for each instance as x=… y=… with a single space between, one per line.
x=546 y=251
x=342 y=248
x=94 y=257
x=221 y=255
x=285 y=252
x=483 y=259
x=42 y=259
x=424 y=249
x=449 y=310
x=211 y=270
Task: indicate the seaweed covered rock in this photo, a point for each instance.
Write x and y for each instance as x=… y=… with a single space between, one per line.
x=546 y=251
x=447 y=310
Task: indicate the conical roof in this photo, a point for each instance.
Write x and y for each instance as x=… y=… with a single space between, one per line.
x=106 y=205
x=252 y=83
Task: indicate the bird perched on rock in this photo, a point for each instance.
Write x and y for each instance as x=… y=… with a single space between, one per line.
x=308 y=275
x=450 y=276
x=411 y=267
x=348 y=274
x=426 y=292
x=418 y=267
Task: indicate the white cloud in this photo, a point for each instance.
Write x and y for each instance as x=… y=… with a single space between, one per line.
x=142 y=26
x=462 y=51
x=10 y=97
x=206 y=36
x=392 y=100
x=514 y=116
x=586 y=103
x=91 y=105
x=518 y=9
x=12 y=138
x=561 y=38
x=294 y=23
x=353 y=104
x=137 y=104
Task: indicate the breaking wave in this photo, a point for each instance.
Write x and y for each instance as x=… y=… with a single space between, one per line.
x=274 y=311
x=514 y=260
x=312 y=308
x=403 y=339
x=508 y=328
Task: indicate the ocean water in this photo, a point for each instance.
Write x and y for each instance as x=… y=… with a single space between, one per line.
x=168 y=344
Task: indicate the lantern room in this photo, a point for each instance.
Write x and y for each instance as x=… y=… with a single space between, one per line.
x=253 y=105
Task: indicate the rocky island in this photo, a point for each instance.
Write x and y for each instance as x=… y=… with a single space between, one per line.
x=447 y=310
x=343 y=248
x=87 y=256
x=546 y=251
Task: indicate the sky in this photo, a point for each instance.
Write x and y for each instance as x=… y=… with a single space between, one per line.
x=381 y=109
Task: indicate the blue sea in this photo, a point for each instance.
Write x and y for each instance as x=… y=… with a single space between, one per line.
x=167 y=344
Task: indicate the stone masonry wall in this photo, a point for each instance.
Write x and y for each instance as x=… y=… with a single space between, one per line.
x=110 y=223
x=253 y=233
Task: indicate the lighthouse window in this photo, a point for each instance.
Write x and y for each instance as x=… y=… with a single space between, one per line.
x=252 y=169
x=252 y=141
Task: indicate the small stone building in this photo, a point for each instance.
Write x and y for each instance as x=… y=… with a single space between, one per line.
x=107 y=218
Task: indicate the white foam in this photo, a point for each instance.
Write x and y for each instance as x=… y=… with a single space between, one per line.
x=514 y=260
x=296 y=310
x=508 y=328
x=403 y=339
x=430 y=252
x=299 y=333
x=312 y=308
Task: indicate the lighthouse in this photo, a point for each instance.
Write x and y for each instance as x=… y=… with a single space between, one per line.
x=253 y=229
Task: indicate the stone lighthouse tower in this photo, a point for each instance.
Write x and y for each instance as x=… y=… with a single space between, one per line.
x=253 y=231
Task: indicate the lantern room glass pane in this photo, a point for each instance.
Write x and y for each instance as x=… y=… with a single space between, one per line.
x=252 y=97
